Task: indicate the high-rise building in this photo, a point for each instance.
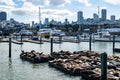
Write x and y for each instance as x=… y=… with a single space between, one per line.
x=95 y=17
x=104 y=15
x=80 y=17
x=66 y=21
x=112 y=17
x=3 y=16
x=32 y=23
x=46 y=21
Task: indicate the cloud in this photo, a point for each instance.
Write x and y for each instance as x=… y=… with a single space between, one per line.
x=62 y=12
x=86 y=2
x=103 y=7
x=49 y=2
x=19 y=12
x=58 y=15
x=29 y=12
x=114 y=2
x=38 y=2
x=59 y=2
x=27 y=9
x=7 y=2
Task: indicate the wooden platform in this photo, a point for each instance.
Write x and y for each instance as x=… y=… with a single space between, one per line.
x=116 y=49
x=17 y=42
x=33 y=41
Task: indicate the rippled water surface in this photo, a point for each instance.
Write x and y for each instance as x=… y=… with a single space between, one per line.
x=16 y=69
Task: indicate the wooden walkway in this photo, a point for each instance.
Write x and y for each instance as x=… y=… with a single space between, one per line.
x=33 y=41
x=17 y=42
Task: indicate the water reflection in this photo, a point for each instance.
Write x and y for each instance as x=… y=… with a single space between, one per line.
x=21 y=47
x=60 y=46
x=15 y=69
x=113 y=53
x=10 y=74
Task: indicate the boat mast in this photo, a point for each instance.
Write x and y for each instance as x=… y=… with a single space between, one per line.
x=98 y=18
x=39 y=16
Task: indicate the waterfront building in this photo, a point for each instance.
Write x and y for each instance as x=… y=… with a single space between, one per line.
x=80 y=17
x=95 y=17
x=53 y=22
x=12 y=20
x=33 y=24
x=112 y=18
x=3 y=16
x=103 y=14
x=66 y=22
x=46 y=21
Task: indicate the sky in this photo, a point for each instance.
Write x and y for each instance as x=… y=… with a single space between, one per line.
x=28 y=10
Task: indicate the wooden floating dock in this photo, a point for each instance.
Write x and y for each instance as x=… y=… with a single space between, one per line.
x=17 y=42
x=54 y=41
x=33 y=41
x=35 y=57
x=81 y=63
x=116 y=49
x=86 y=64
x=4 y=40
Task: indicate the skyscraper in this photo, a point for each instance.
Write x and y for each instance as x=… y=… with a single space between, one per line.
x=80 y=17
x=66 y=21
x=32 y=23
x=112 y=17
x=95 y=17
x=103 y=15
x=46 y=21
x=3 y=16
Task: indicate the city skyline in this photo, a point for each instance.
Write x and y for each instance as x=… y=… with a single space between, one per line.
x=27 y=10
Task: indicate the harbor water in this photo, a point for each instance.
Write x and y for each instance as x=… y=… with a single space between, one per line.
x=17 y=69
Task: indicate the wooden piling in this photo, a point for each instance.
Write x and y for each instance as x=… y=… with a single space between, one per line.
x=10 y=45
x=40 y=39
x=16 y=36
x=21 y=38
x=90 y=39
x=51 y=46
x=78 y=38
x=60 y=39
x=113 y=42
x=103 y=66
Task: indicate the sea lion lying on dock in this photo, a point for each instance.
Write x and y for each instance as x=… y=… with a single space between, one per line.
x=35 y=57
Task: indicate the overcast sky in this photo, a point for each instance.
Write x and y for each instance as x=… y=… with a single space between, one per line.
x=27 y=10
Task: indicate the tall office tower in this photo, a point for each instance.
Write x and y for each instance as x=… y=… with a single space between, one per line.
x=66 y=21
x=95 y=17
x=32 y=23
x=112 y=17
x=104 y=15
x=3 y=16
x=80 y=17
x=46 y=21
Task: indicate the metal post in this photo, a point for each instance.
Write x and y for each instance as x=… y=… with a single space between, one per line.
x=10 y=47
x=90 y=39
x=78 y=37
x=104 y=66
x=40 y=39
x=113 y=41
x=21 y=38
x=16 y=37
x=51 y=46
x=60 y=39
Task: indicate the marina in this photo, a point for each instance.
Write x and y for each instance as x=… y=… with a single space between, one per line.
x=13 y=68
x=63 y=40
